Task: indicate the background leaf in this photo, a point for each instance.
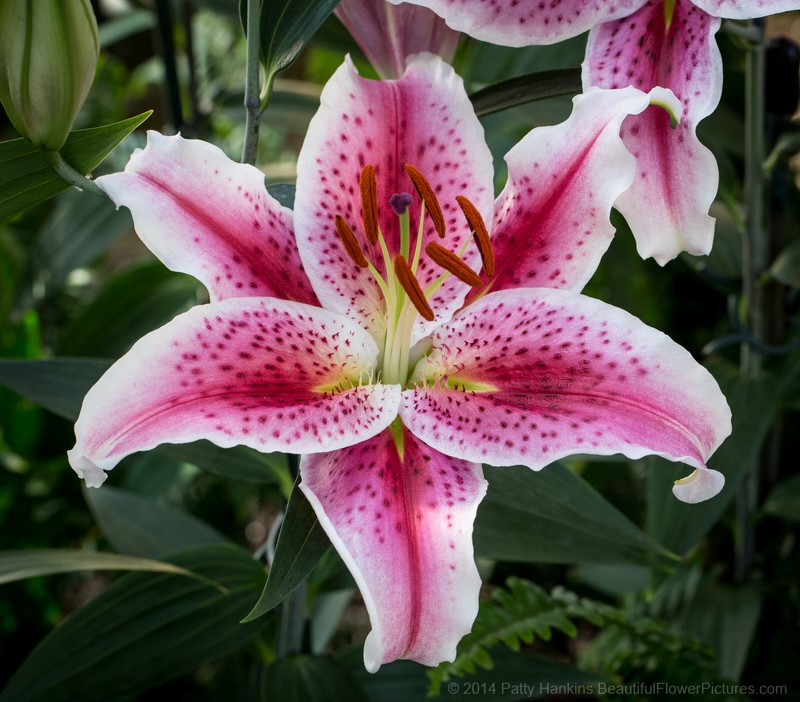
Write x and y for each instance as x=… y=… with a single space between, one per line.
x=60 y=384
x=57 y=384
x=132 y=304
x=725 y=617
x=78 y=231
x=141 y=526
x=301 y=543
x=22 y=564
x=286 y=27
x=754 y=403
x=144 y=629
x=26 y=179
x=784 y=499
x=527 y=88
x=310 y=679
x=554 y=516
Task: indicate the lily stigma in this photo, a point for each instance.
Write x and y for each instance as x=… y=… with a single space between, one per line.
x=400 y=327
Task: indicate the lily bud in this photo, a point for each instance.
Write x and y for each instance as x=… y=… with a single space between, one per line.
x=48 y=57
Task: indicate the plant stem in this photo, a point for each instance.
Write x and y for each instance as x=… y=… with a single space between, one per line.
x=166 y=42
x=755 y=260
x=70 y=175
x=252 y=86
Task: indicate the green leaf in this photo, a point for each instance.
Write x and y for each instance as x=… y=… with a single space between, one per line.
x=286 y=27
x=238 y=462
x=141 y=526
x=75 y=234
x=144 y=629
x=612 y=580
x=301 y=543
x=516 y=616
x=57 y=384
x=554 y=516
x=725 y=617
x=26 y=179
x=283 y=193
x=60 y=384
x=22 y=564
x=523 y=89
x=784 y=499
x=786 y=268
x=309 y=679
x=132 y=304
x=126 y=25
x=754 y=403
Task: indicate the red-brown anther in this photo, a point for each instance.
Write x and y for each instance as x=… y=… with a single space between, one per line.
x=350 y=242
x=369 y=203
x=429 y=198
x=480 y=234
x=411 y=285
x=452 y=263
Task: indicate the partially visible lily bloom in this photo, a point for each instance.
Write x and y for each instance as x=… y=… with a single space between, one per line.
x=388 y=34
x=339 y=331
x=643 y=43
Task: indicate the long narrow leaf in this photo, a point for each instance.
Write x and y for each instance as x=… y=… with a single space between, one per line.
x=518 y=91
x=554 y=516
x=59 y=385
x=22 y=564
x=301 y=543
x=26 y=179
x=143 y=630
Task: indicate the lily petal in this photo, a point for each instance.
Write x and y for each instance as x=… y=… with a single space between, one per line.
x=212 y=218
x=531 y=375
x=526 y=22
x=424 y=119
x=699 y=486
x=551 y=223
x=269 y=374
x=676 y=180
x=402 y=523
x=388 y=34
x=746 y=9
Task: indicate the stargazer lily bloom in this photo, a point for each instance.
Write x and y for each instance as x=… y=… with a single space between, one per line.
x=388 y=34
x=337 y=331
x=644 y=43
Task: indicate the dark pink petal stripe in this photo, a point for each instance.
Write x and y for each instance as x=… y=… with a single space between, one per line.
x=270 y=374
x=529 y=376
x=212 y=218
x=403 y=525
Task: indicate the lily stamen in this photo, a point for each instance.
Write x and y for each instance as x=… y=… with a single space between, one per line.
x=427 y=195
x=369 y=203
x=349 y=242
x=410 y=284
x=453 y=264
x=479 y=232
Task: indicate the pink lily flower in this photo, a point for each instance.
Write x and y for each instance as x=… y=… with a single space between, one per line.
x=388 y=34
x=644 y=43
x=337 y=331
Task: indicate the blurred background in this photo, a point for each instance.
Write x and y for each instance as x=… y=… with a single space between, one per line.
x=593 y=572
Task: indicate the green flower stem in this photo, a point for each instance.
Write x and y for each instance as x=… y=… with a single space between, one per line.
x=252 y=99
x=70 y=175
x=755 y=261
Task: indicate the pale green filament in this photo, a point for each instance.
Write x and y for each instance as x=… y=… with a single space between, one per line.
x=400 y=311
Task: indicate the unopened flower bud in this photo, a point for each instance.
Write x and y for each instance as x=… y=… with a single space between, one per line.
x=48 y=57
